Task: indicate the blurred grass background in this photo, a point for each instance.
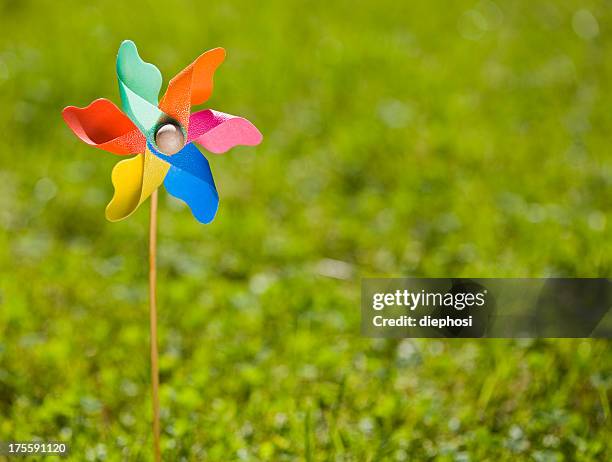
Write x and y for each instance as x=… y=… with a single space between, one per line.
x=465 y=138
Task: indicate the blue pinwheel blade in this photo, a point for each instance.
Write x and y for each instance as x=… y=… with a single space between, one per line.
x=190 y=180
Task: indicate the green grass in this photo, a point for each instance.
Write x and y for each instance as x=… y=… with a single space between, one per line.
x=438 y=139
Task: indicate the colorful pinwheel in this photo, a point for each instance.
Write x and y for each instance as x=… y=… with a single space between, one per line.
x=162 y=135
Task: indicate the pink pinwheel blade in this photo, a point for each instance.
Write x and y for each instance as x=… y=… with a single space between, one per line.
x=218 y=132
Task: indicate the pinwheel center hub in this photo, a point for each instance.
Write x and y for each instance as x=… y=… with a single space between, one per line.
x=169 y=139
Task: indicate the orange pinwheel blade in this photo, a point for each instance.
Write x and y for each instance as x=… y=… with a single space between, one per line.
x=192 y=86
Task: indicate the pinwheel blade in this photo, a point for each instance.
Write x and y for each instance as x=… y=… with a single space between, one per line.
x=190 y=180
x=218 y=132
x=139 y=85
x=192 y=86
x=134 y=180
x=103 y=125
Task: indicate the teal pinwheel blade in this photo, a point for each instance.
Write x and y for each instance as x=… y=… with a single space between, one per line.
x=139 y=86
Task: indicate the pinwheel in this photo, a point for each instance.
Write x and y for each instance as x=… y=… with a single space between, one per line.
x=162 y=137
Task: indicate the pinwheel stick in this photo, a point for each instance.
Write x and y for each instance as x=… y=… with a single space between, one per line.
x=153 y=314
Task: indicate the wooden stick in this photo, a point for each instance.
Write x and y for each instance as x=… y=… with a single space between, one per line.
x=153 y=313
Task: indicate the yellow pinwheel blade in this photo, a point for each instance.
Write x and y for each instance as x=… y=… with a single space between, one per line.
x=134 y=181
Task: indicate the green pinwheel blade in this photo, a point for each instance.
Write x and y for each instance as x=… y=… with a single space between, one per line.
x=139 y=86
